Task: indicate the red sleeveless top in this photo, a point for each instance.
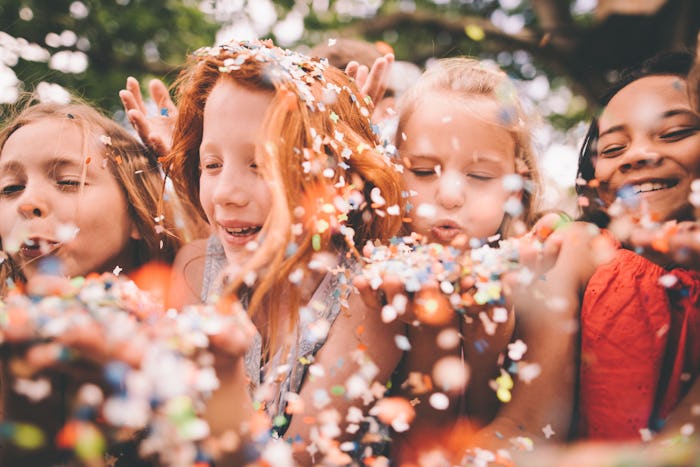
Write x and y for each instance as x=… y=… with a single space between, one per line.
x=640 y=345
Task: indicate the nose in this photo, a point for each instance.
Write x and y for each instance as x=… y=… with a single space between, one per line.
x=451 y=190
x=640 y=156
x=231 y=189
x=32 y=204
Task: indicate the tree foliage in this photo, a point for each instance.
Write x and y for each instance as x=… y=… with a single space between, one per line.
x=575 y=46
x=119 y=38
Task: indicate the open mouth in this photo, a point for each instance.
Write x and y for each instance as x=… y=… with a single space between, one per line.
x=243 y=231
x=35 y=247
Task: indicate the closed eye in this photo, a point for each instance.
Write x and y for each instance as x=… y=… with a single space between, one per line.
x=10 y=190
x=68 y=185
x=678 y=134
x=480 y=177
x=612 y=151
x=423 y=172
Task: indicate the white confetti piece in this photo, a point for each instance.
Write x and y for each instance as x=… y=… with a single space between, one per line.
x=439 y=401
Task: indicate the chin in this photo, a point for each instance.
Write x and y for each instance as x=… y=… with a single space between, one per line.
x=685 y=212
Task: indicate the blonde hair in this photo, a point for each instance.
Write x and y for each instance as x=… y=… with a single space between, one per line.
x=318 y=152
x=466 y=77
x=135 y=169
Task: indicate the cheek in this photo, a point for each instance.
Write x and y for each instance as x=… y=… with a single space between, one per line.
x=264 y=195
x=205 y=195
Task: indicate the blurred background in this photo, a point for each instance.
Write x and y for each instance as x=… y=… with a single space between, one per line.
x=563 y=53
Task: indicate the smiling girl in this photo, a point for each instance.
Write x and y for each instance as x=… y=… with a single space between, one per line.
x=640 y=329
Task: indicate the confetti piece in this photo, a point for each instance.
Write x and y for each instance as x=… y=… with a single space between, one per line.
x=451 y=374
x=474 y=32
x=548 y=431
x=439 y=401
x=394 y=409
x=402 y=343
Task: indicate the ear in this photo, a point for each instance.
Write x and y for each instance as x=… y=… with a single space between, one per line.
x=135 y=234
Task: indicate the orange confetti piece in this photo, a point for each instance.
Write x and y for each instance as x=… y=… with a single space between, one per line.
x=118 y=159
x=660 y=244
x=544 y=232
x=153 y=277
x=433 y=308
x=68 y=435
x=384 y=48
x=88 y=160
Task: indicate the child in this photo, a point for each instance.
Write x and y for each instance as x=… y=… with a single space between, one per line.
x=78 y=188
x=78 y=195
x=464 y=141
x=277 y=150
x=640 y=332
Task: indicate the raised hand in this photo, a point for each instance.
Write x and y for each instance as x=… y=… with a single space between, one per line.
x=372 y=82
x=156 y=132
x=679 y=243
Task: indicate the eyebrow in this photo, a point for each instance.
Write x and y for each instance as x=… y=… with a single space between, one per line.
x=420 y=156
x=667 y=114
x=12 y=166
x=62 y=162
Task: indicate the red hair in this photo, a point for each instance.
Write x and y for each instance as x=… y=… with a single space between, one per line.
x=318 y=152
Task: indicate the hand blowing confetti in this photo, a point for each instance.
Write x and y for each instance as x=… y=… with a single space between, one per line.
x=158 y=372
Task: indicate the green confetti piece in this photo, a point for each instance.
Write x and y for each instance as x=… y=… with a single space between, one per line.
x=28 y=436
x=279 y=420
x=474 y=32
x=90 y=445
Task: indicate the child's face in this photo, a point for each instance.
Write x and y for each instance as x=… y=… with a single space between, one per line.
x=457 y=154
x=235 y=198
x=649 y=146
x=42 y=208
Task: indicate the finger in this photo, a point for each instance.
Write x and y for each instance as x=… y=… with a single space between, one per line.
x=351 y=69
x=159 y=93
x=236 y=337
x=361 y=76
x=685 y=247
x=39 y=357
x=369 y=297
x=132 y=85
x=378 y=78
x=549 y=254
x=140 y=123
x=392 y=286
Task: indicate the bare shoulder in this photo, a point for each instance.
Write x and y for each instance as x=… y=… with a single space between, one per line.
x=188 y=274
